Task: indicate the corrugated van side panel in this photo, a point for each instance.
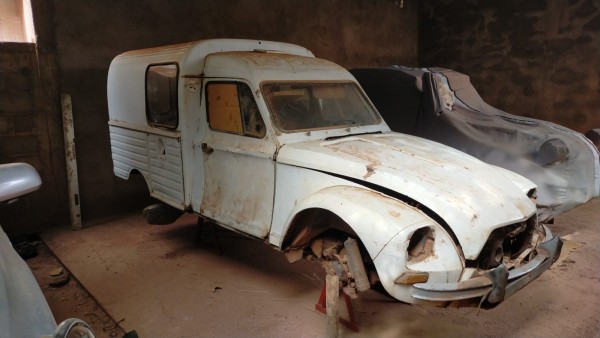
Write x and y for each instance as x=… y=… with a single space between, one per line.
x=129 y=151
x=166 y=171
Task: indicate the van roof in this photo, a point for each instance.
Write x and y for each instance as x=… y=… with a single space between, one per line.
x=197 y=50
x=272 y=66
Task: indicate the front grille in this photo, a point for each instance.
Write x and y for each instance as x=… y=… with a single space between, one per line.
x=510 y=245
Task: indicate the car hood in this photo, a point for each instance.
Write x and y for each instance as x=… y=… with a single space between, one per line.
x=472 y=197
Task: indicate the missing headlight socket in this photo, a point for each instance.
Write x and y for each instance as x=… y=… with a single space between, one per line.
x=420 y=245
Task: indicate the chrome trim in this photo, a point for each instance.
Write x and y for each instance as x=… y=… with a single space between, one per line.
x=73 y=327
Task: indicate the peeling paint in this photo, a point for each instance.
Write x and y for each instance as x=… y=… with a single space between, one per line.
x=370 y=171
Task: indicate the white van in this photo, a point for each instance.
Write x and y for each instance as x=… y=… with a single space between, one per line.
x=265 y=139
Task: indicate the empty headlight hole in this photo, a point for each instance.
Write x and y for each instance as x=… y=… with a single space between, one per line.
x=420 y=245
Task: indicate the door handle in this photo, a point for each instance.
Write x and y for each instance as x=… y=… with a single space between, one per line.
x=206 y=148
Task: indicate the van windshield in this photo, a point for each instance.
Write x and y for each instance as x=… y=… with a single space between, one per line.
x=300 y=106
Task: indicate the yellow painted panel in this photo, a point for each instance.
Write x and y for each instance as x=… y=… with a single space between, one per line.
x=224 y=107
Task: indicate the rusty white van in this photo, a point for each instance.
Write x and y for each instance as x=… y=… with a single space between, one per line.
x=265 y=139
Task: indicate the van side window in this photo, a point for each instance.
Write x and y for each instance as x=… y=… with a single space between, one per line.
x=231 y=108
x=161 y=95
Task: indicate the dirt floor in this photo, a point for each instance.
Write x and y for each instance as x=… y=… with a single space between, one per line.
x=164 y=282
x=69 y=300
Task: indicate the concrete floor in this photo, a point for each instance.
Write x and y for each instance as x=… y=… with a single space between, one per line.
x=164 y=283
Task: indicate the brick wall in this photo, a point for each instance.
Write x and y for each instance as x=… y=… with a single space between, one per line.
x=538 y=59
x=30 y=132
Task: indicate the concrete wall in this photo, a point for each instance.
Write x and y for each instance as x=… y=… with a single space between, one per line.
x=88 y=34
x=532 y=58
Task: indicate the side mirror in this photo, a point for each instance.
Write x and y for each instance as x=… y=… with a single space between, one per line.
x=17 y=179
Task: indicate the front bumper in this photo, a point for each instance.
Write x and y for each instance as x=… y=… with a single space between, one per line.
x=496 y=284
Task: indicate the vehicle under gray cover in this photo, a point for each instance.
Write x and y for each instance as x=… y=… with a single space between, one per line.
x=442 y=105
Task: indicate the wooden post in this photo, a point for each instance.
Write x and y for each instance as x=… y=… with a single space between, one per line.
x=332 y=283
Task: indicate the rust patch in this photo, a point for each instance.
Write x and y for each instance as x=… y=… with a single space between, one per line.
x=370 y=171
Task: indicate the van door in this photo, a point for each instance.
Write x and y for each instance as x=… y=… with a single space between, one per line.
x=164 y=140
x=238 y=159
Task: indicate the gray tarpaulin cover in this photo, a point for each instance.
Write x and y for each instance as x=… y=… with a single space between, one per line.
x=442 y=105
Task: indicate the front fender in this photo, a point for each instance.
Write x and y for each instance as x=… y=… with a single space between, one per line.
x=444 y=264
x=374 y=217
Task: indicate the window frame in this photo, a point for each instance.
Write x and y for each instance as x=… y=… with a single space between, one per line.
x=174 y=97
x=244 y=132
x=275 y=118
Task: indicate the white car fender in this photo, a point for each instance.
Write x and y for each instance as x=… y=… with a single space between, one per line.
x=385 y=226
x=374 y=217
x=444 y=264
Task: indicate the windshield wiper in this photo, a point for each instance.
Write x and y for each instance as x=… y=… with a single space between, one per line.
x=348 y=135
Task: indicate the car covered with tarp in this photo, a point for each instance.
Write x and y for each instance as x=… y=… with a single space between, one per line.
x=442 y=105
